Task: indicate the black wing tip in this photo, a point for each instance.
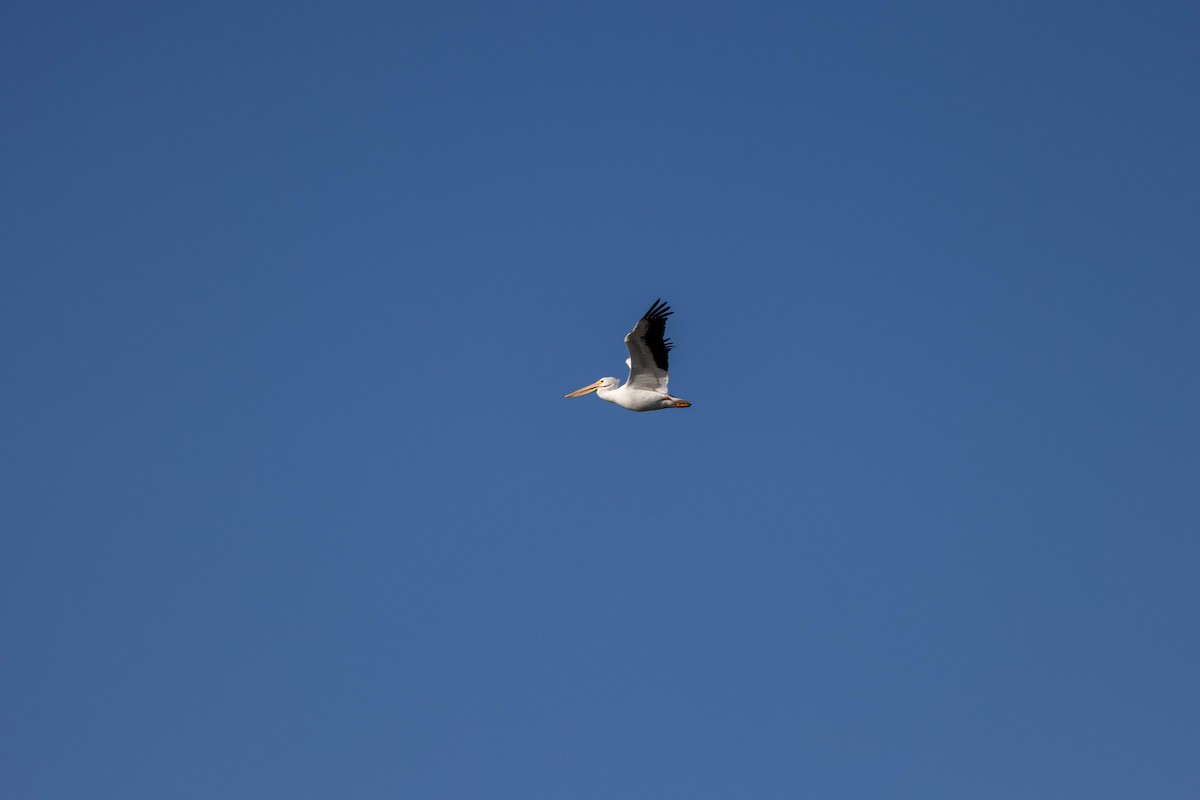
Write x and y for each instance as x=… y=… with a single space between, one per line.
x=656 y=325
x=659 y=310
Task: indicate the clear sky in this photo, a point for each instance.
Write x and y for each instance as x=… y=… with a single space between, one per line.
x=292 y=505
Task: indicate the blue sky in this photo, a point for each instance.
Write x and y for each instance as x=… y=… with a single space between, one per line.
x=293 y=506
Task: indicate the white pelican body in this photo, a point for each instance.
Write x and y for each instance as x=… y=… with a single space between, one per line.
x=646 y=387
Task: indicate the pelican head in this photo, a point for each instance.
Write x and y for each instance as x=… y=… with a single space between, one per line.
x=603 y=383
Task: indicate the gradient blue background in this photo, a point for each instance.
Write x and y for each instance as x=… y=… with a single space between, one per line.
x=293 y=506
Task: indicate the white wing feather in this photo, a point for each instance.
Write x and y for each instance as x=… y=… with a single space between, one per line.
x=643 y=374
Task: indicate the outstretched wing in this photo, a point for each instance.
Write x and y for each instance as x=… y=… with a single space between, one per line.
x=648 y=349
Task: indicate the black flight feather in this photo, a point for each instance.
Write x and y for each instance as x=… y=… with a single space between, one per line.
x=656 y=329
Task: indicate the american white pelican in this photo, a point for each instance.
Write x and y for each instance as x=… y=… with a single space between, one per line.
x=646 y=388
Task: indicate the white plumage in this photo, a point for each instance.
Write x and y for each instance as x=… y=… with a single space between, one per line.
x=646 y=387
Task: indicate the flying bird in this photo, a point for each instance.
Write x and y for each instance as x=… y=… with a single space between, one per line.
x=646 y=387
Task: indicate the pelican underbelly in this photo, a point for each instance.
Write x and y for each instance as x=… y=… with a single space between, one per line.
x=634 y=399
